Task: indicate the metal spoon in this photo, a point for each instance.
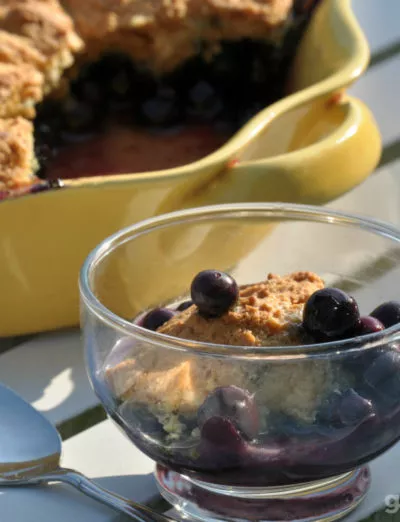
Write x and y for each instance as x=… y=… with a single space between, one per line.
x=35 y=458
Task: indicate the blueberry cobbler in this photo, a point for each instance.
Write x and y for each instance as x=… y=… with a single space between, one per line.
x=261 y=419
x=110 y=86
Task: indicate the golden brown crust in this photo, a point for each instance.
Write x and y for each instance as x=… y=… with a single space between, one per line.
x=41 y=35
x=21 y=87
x=16 y=153
x=164 y=33
x=176 y=383
x=264 y=314
x=37 y=42
x=47 y=26
x=19 y=51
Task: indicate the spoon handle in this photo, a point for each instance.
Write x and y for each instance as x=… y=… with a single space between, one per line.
x=136 y=511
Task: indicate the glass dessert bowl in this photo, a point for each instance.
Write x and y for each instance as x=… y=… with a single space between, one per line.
x=265 y=396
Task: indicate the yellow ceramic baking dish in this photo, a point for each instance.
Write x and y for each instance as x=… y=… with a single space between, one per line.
x=310 y=147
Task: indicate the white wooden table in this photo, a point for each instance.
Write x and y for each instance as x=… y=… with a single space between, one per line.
x=48 y=370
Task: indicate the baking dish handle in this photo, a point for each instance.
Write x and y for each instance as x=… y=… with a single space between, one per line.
x=315 y=174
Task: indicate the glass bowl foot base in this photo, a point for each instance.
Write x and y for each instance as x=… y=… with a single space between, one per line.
x=322 y=500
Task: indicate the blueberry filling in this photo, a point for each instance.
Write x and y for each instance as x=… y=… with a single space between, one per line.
x=235 y=404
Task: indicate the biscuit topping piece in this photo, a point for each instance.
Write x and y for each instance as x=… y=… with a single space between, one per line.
x=266 y=313
x=16 y=153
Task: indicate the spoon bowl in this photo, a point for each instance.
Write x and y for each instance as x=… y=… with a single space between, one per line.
x=30 y=445
x=30 y=451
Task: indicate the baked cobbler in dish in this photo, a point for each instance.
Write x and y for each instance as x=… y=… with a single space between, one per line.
x=110 y=86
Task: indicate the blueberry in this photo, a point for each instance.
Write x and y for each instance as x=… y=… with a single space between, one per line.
x=331 y=314
x=388 y=313
x=235 y=404
x=221 y=434
x=184 y=306
x=383 y=375
x=156 y=318
x=203 y=102
x=354 y=409
x=344 y=408
x=161 y=109
x=369 y=325
x=214 y=292
x=357 y=362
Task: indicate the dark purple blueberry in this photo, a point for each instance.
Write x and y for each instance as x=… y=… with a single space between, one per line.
x=203 y=102
x=369 y=325
x=156 y=318
x=221 y=433
x=235 y=404
x=358 y=362
x=162 y=109
x=343 y=409
x=388 y=313
x=354 y=409
x=331 y=314
x=184 y=306
x=383 y=375
x=214 y=292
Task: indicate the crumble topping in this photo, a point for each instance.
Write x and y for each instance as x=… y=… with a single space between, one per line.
x=16 y=153
x=266 y=314
x=164 y=33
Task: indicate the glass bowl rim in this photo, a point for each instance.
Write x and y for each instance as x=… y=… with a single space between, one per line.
x=237 y=210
